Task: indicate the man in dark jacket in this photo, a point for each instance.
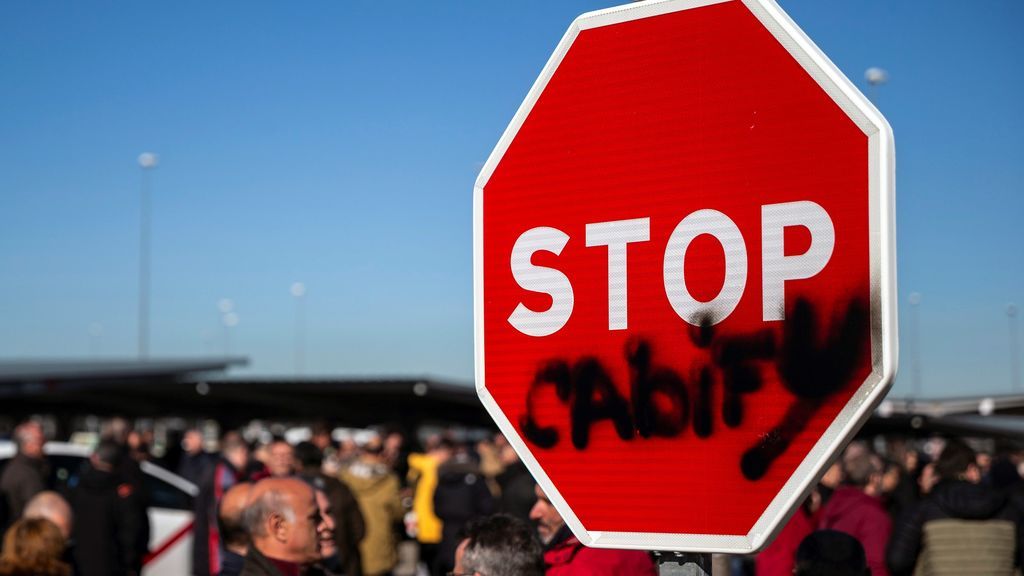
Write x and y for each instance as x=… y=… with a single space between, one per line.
x=461 y=496
x=349 y=528
x=962 y=527
x=108 y=524
x=517 y=496
x=194 y=460
x=207 y=546
x=26 y=474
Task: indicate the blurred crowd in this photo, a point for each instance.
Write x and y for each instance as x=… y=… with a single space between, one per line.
x=314 y=507
x=327 y=507
x=901 y=511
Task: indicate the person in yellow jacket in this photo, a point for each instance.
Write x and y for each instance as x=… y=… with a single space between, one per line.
x=423 y=475
x=376 y=488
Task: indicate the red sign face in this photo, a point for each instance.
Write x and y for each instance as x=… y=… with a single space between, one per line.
x=684 y=273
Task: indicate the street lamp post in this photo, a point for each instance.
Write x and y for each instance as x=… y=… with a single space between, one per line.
x=915 y=329
x=228 y=319
x=1011 y=315
x=147 y=161
x=95 y=334
x=298 y=291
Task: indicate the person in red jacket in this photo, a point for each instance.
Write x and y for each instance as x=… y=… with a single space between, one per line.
x=779 y=557
x=564 y=555
x=857 y=509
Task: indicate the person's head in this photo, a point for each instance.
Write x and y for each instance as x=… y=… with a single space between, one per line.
x=393 y=442
x=282 y=460
x=833 y=476
x=308 y=457
x=29 y=438
x=911 y=461
x=928 y=478
x=138 y=448
x=347 y=448
x=372 y=449
x=321 y=436
x=864 y=470
x=891 y=477
x=507 y=454
x=282 y=518
x=543 y=513
x=443 y=449
x=235 y=450
x=229 y=518
x=958 y=462
x=33 y=546
x=192 y=442
x=116 y=429
x=107 y=455
x=830 y=553
x=51 y=506
x=984 y=462
x=499 y=545
x=325 y=530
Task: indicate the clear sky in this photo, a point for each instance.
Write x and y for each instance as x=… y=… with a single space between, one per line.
x=336 y=143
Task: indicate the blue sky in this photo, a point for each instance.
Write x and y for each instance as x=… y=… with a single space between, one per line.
x=336 y=143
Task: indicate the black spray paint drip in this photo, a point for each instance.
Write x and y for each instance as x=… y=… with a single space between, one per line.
x=813 y=369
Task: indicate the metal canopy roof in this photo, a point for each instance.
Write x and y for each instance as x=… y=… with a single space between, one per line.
x=65 y=371
x=198 y=387
x=991 y=403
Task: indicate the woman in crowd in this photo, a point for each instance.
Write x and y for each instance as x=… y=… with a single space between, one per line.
x=33 y=547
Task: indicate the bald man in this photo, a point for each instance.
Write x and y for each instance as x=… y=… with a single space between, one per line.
x=233 y=534
x=284 y=525
x=51 y=506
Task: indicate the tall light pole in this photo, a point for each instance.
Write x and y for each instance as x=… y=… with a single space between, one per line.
x=875 y=77
x=298 y=291
x=209 y=347
x=228 y=319
x=1011 y=315
x=95 y=334
x=147 y=161
x=915 y=329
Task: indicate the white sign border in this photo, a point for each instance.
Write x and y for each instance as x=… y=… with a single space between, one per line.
x=882 y=232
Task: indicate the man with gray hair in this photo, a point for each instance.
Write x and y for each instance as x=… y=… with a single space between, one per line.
x=499 y=545
x=25 y=475
x=284 y=524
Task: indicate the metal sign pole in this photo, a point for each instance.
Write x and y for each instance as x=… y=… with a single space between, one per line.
x=683 y=564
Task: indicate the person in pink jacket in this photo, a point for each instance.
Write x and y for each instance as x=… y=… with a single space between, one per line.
x=564 y=555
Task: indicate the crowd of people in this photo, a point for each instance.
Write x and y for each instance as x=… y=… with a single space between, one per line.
x=320 y=507
x=464 y=504
x=97 y=525
x=961 y=513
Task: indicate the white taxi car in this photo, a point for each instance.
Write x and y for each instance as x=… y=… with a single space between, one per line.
x=170 y=497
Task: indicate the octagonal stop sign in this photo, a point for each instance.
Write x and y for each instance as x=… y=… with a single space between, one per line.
x=685 y=273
